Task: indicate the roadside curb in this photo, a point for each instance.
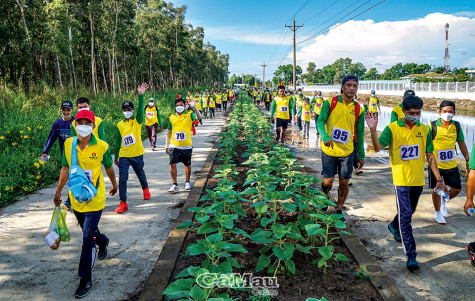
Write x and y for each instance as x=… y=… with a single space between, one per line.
x=158 y=279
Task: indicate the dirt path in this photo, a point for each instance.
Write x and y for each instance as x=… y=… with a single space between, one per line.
x=29 y=270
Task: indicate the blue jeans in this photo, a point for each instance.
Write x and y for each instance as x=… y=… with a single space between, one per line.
x=91 y=236
x=407 y=198
x=137 y=164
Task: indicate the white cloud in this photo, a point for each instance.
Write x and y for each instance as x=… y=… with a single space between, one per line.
x=384 y=44
x=465 y=14
x=243 y=35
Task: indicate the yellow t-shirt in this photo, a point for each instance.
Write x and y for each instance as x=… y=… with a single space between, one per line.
x=444 y=144
x=398 y=110
x=151 y=116
x=373 y=105
x=225 y=97
x=198 y=102
x=407 y=152
x=205 y=101
x=131 y=134
x=211 y=102
x=317 y=108
x=181 y=129
x=282 y=107
x=306 y=112
x=219 y=98
x=340 y=126
x=90 y=159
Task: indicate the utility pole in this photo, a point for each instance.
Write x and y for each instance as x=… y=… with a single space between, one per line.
x=264 y=75
x=294 y=29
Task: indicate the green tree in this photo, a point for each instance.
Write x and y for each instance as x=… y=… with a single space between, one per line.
x=311 y=67
x=372 y=74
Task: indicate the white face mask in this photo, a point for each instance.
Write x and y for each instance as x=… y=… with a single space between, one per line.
x=180 y=109
x=447 y=116
x=84 y=109
x=128 y=114
x=83 y=130
x=151 y=104
x=66 y=116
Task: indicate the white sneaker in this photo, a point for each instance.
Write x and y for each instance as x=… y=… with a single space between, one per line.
x=174 y=188
x=439 y=218
x=187 y=186
x=443 y=208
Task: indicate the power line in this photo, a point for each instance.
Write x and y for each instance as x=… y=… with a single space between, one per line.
x=299 y=10
x=294 y=28
x=328 y=27
x=331 y=18
x=321 y=12
x=278 y=44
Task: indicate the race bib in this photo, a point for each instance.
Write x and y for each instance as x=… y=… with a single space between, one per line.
x=129 y=140
x=180 y=136
x=373 y=104
x=150 y=114
x=446 y=155
x=410 y=152
x=319 y=105
x=341 y=135
x=88 y=173
x=306 y=113
x=284 y=109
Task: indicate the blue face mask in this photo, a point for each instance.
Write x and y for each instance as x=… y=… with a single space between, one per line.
x=413 y=119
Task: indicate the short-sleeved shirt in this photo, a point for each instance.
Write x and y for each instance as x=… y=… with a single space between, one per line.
x=407 y=151
x=373 y=104
x=471 y=163
x=90 y=159
x=444 y=144
x=397 y=113
x=180 y=125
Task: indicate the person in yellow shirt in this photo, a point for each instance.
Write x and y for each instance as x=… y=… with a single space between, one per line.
x=91 y=154
x=306 y=115
x=317 y=102
x=178 y=145
x=152 y=119
x=410 y=144
x=282 y=105
x=226 y=97
x=211 y=105
x=397 y=113
x=341 y=126
x=268 y=100
x=373 y=103
x=204 y=104
x=219 y=100
x=129 y=149
x=445 y=132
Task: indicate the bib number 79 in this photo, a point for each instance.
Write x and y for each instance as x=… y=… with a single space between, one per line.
x=180 y=136
x=410 y=152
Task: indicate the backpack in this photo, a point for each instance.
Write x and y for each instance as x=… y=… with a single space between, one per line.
x=79 y=185
x=434 y=128
x=357 y=114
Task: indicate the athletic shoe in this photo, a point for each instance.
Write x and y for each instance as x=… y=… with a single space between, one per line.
x=152 y=148
x=471 y=252
x=174 y=188
x=187 y=186
x=102 y=254
x=122 y=207
x=85 y=286
x=439 y=218
x=396 y=234
x=146 y=194
x=343 y=219
x=412 y=264
x=443 y=208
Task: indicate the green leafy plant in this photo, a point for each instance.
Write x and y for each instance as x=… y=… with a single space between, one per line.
x=362 y=274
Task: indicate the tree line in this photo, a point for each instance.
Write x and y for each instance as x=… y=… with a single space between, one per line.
x=108 y=45
x=335 y=72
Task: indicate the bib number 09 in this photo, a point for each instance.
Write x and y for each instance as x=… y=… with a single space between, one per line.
x=128 y=140
x=410 y=152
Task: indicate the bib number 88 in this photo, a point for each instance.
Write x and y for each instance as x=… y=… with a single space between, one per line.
x=410 y=152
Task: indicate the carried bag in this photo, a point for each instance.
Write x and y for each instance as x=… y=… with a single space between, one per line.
x=81 y=188
x=57 y=231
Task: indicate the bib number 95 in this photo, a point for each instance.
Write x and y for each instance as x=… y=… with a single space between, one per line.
x=340 y=135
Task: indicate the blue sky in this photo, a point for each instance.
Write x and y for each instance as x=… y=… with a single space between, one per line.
x=252 y=32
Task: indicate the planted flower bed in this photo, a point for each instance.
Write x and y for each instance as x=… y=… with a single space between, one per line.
x=261 y=232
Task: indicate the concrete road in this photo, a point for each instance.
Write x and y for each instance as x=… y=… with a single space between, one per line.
x=29 y=270
x=446 y=272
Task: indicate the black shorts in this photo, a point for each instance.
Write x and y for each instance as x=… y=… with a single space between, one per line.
x=282 y=123
x=180 y=156
x=451 y=177
x=218 y=106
